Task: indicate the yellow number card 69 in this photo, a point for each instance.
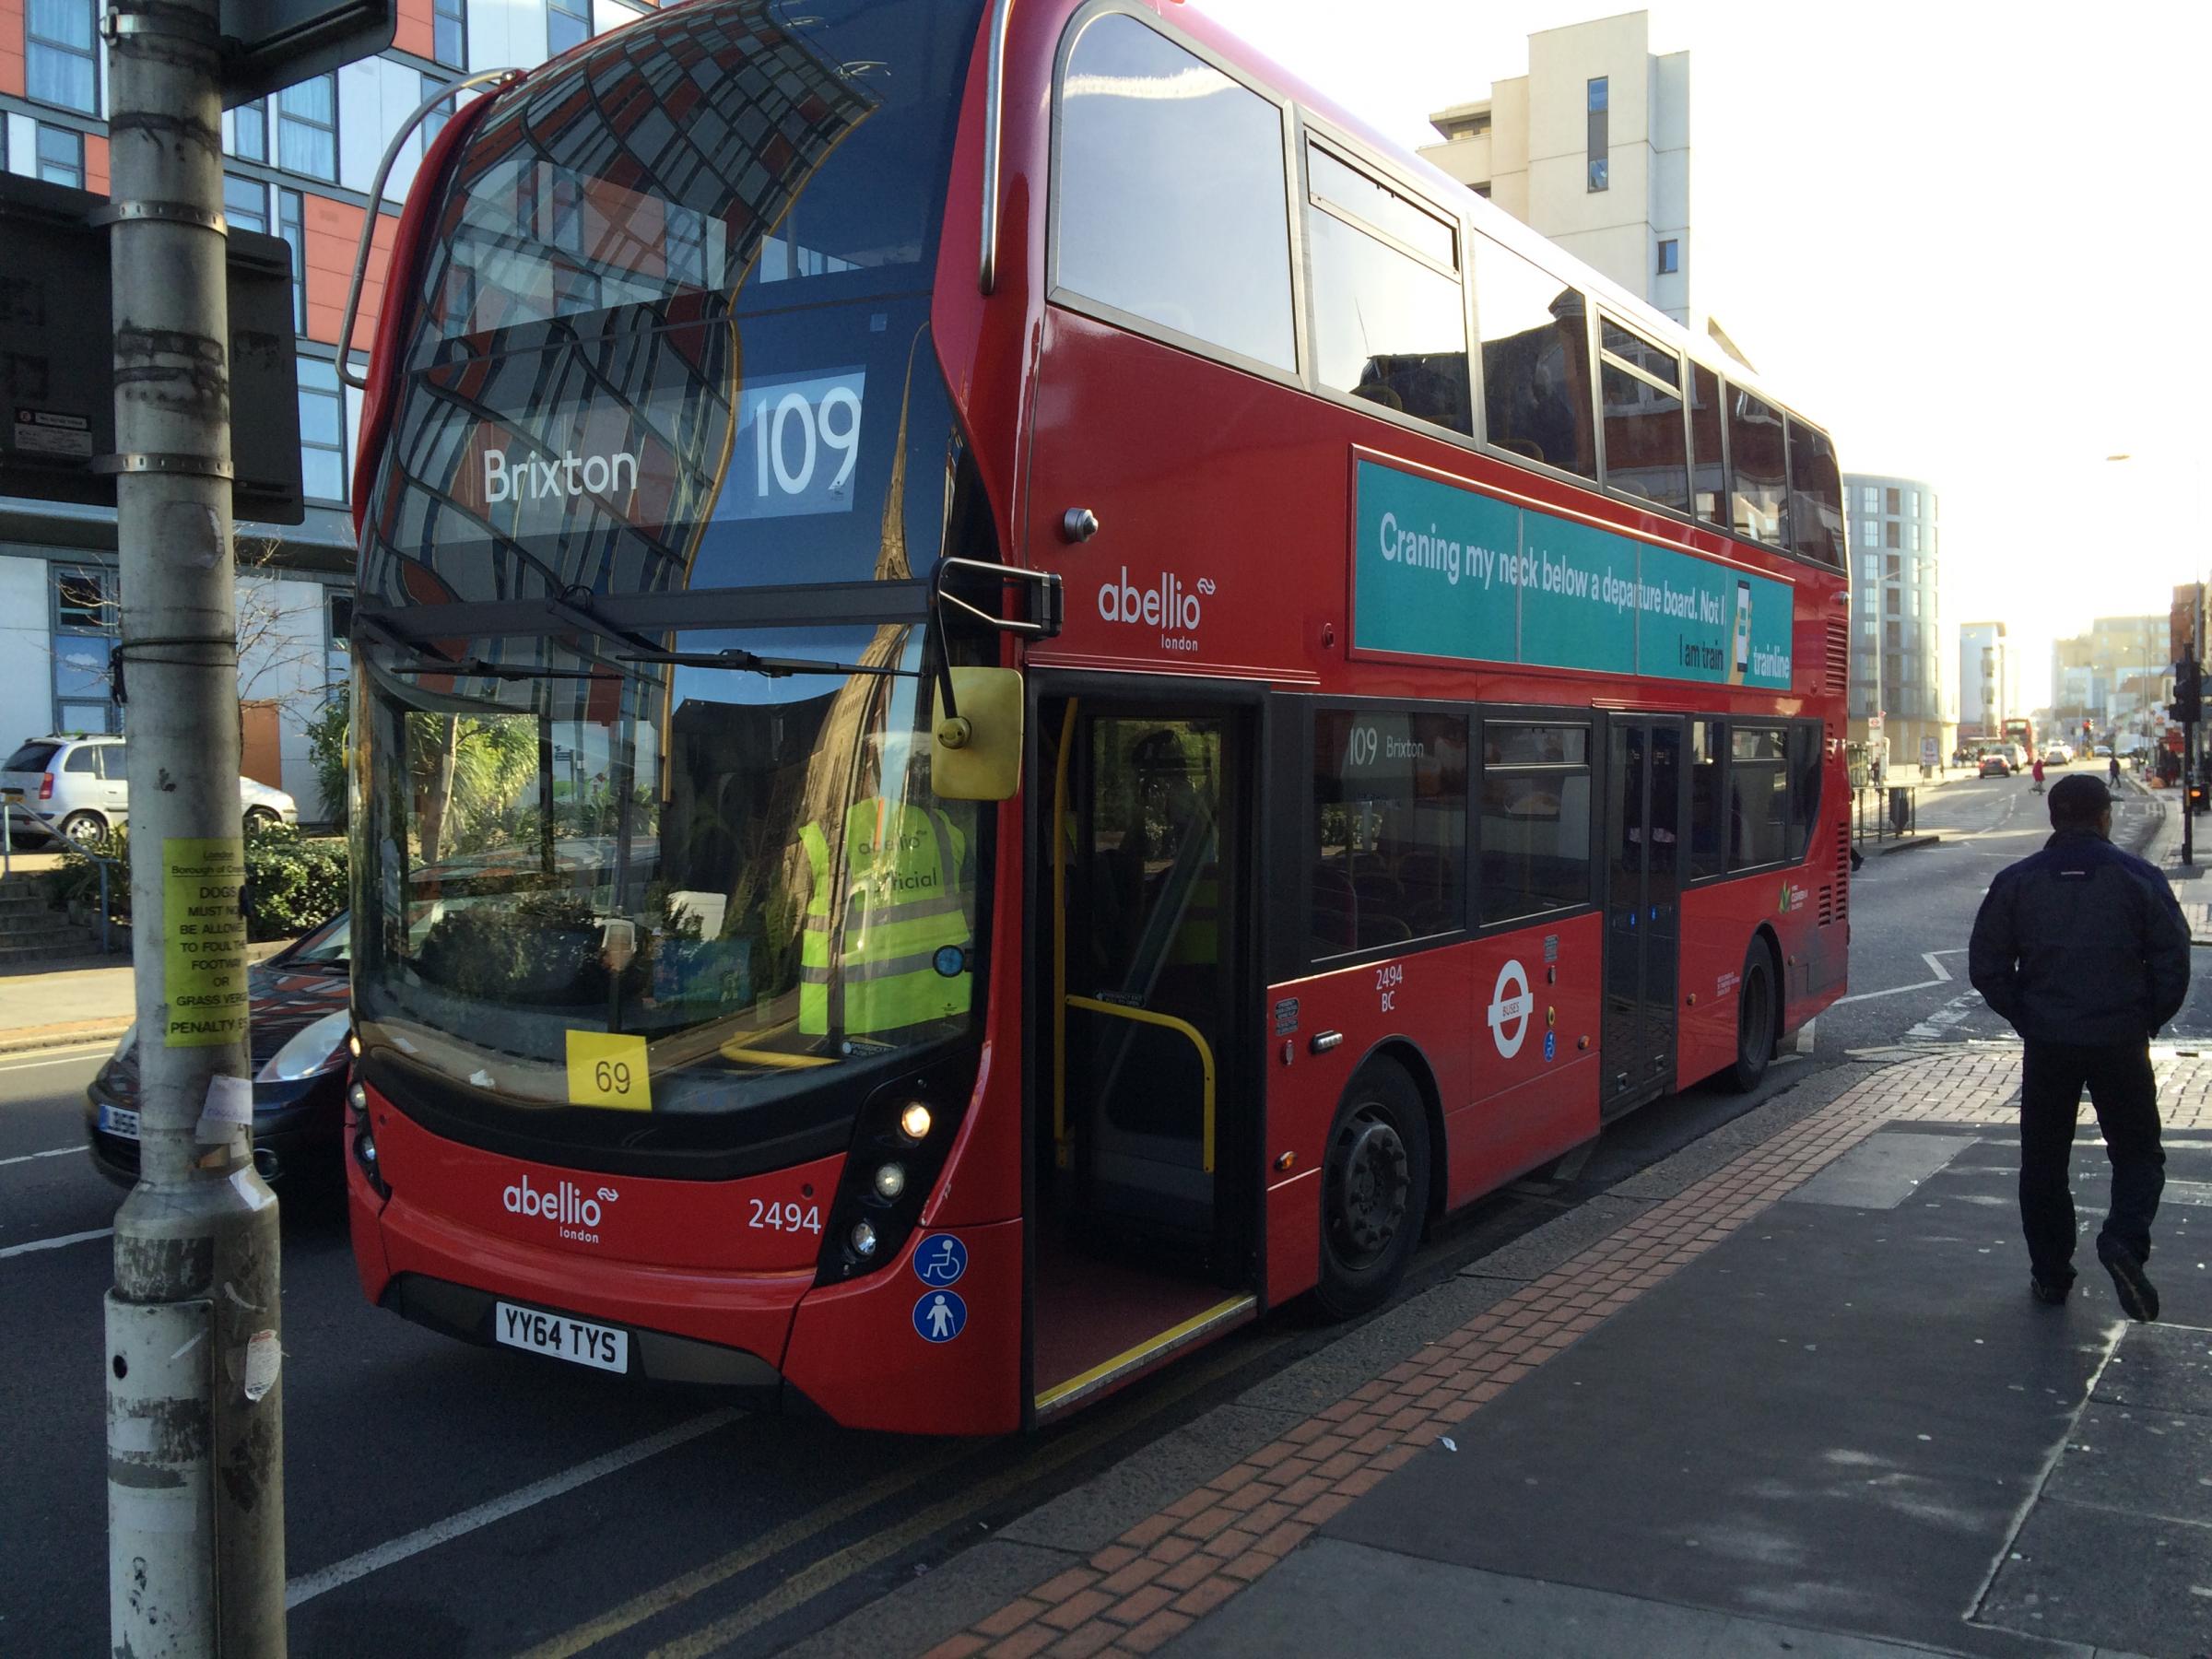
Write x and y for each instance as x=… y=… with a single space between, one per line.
x=607 y=1068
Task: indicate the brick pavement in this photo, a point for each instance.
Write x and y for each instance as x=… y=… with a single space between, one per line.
x=1171 y=1570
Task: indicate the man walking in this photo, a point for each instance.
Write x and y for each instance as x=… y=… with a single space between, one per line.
x=2083 y=949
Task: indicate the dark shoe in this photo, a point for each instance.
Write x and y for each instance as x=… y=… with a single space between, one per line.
x=2049 y=1294
x=2136 y=1293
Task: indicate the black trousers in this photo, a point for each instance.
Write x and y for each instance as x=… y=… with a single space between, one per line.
x=2124 y=1091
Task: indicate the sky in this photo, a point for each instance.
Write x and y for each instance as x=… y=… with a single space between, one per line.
x=1951 y=233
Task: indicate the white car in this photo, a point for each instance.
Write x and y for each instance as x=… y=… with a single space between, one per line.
x=78 y=785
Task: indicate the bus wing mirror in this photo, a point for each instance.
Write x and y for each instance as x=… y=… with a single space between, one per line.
x=976 y=754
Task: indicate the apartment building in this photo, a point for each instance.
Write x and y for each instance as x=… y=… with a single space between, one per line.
x=1591 y=148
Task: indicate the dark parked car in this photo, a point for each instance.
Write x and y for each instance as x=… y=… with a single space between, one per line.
x=1994 y=765
x=300 y=1025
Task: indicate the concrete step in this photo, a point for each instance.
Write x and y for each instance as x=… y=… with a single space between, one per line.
x=70 y=949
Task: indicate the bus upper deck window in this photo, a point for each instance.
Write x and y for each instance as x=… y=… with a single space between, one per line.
x=1536 y=362
x=1171 y=199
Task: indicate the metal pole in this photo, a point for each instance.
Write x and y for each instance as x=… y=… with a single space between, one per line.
x=195 y=1488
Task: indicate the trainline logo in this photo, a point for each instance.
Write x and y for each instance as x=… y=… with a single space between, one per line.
x=536 y=477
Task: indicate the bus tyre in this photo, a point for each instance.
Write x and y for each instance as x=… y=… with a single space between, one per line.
x=1374 y=1190
x=1758 y=1019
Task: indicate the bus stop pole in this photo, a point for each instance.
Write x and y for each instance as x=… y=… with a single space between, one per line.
x=195 y=1425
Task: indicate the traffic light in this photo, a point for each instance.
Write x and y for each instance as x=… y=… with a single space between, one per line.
x=2188 y=690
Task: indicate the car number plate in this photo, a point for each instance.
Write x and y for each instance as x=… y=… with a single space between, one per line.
x=119 y=1120
x=603 y=1346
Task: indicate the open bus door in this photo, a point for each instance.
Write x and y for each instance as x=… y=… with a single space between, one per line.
x=1145 y=1174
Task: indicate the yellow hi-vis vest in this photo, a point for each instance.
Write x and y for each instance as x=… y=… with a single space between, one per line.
x=902 y=906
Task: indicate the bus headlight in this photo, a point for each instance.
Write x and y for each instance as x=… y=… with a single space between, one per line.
x=891 y=1180
x=914 y=1121
x=863 y=1239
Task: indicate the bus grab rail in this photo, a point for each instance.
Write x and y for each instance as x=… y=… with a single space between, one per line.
x=994 y=122
x=1206 y=1056
x=374 y=211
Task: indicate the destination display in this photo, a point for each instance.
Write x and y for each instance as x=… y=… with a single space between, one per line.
x=1445 y=571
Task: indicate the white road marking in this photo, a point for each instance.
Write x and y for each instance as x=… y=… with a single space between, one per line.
x=71 y=1057
x=34 y=1157
x=83 y=1238
x=1804 y=1036
x=1943 y=977
x=1955 y=1012
x=309 y=1586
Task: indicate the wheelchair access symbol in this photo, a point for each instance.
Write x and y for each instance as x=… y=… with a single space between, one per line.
x=940 y=1315
x=940 y=1259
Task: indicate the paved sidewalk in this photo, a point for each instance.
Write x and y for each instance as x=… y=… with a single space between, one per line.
x=1784 y=1392
x=81 y=1000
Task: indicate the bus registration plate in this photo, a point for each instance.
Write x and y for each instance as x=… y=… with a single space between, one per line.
x=572 y=1339
x=119 y=1120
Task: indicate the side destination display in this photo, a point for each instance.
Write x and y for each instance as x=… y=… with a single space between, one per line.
x=1443 y=572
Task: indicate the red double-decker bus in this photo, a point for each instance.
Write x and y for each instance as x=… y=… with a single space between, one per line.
x=1018 y=695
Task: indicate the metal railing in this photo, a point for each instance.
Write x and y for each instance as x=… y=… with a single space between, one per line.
x=12 y=807
x=1885 y=812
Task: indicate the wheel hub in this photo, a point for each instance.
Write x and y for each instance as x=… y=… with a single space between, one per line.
x=1375 y=1182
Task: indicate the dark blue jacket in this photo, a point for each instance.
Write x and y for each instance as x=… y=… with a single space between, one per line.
x=2081 y=942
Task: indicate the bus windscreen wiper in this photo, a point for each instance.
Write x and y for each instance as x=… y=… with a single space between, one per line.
x=472 y=666
x=476 y=668
x=739 y=661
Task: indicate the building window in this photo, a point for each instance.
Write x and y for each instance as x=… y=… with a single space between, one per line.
x=1912 y=503
x=338 y=611
x=568 y=23
x=1870 y=499
x=1870 y=628
x=307 y=128
x=1670 y=256
x=1869 y=536
x=322 y=432
x=289 y=226
x=250 y=131
x=1889 y=535
x=1874 y=565
x=246 y=204
x=87 y=616
x=1894 y=505
x=61 y=156
x=1912 y=537
x=449 y=32
x=1600 y=166
x=63 y=69
x=434 y=122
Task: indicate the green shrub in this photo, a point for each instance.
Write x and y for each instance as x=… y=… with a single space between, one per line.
x=292 y=884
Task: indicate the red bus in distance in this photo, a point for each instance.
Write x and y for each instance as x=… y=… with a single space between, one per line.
x=1018 y=695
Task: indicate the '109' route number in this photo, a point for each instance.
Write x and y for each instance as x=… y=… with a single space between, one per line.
x=786 y=1217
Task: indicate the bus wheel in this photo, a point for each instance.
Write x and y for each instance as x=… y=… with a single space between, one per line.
x=1758 y=1021
x=1374 y=1190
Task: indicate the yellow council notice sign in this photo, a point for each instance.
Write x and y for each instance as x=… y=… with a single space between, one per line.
x=205 y=954
x=607 y=1068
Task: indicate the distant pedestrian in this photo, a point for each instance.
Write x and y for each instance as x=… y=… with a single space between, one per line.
x=2036 y=771
x=2114 y=769
x=2082 y=948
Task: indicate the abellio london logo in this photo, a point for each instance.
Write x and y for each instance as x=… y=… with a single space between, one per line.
x=574 y=1214
x=1166 y=605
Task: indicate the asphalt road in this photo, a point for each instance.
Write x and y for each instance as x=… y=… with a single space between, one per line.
x=1917 y=904
x=443 y=1500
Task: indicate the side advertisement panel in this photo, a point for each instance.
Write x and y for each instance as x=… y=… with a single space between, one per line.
x=1442 y=571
